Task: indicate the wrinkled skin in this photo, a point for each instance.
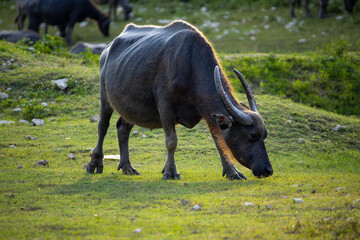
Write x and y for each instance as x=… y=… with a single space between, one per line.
x=157 y=77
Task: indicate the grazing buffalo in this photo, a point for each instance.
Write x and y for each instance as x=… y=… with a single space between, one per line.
x=30 y=37
x=127 y=8
x=157 y=77
x=64 y=14
x=349 y=6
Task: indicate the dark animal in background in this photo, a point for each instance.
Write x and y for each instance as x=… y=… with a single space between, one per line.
x=126 y=6
x=95 y=48
x=157 y=77
x=64 y=14
x=29 y=37
x=349 y=6
x=21 y=16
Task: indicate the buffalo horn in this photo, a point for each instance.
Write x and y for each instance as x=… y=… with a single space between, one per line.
x=247 y=89
x=239 y=116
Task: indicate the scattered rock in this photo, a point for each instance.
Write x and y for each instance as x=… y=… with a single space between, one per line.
x=12 y=146
x=20 y=167
x=339 y=188
x=61 y=83
x=302 y=40
x=327 y=219
x=28 y=137
x=138 y=230
x=298 y=200
x=248 y=204
x=94 y=118
x=186 y=184
x=358 y=201
x=135 y=133
x=112 y=157
x=4 y=95
x=338 y=127
x=268 y=207
x=291 y=24
x=196 y=207
x=71 y=156
x=144 y=136
x=313 y=191
x=339 y=17
x=44 y=104
x=300 y=162
x=23 y=121
x=41 y=163
x=296 y=185
x=300 y=141
x=6 y=122
x=37 y=122
x=17 y=110
x=83 y=24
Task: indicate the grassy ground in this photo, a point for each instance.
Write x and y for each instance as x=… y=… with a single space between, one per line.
x=233 y=27
x=62 y=201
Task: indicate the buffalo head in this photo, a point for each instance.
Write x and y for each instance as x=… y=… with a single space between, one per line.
x=104 y=25
x=243 y=131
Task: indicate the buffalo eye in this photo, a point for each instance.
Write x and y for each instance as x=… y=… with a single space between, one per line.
x=254 y=137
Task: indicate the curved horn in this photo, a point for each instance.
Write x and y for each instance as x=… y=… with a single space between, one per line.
x=247 y=89
x=239 y=116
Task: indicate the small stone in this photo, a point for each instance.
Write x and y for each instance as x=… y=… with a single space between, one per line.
x=23 y=121
x=338 y=127
x=303 y=40
x=33 y=138
x=41 y=163
x=135 y=133
x=327 y=219
x=12 y=146
x=300 y=141
x=300 y=162
x=339 y=17
x=339 y=188
x=61 y=83
x=71 y=156
x=186 y=184
x=268 y=207
x=6 y=122
x=313 y=191
x=94 y=118
x=144 y=136
x=44 y=104
x=358 y=201
x=28 y=137
x=17 y=110
x=83 y=24
x=296 y=185
x=37 y=122
x=4 y=95
x=20 y=167
x=298 y=200
x=248 y=204
x=138 y=230
x=196 y=207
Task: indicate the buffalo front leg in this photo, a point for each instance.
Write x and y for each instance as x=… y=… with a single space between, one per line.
x=123 y=132
x=98 y=153
x=228 y=166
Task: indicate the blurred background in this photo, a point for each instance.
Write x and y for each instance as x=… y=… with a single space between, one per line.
x=233 y=26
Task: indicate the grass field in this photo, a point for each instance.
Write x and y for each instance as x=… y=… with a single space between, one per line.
x=61 y=201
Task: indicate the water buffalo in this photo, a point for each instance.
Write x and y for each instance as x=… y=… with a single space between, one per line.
x=349 y=6
x=127 y=8
x=157 y=77
x=64 y=14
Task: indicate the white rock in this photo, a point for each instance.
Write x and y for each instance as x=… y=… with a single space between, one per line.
x=339 y=17
x=37 y=122
x=4 y=95
x=112 y=157
x=144 y=136
x=267 y=26
x=298 y=200
x=303 y=40
x=327 y=219
x=71 y=156
x=23 y=121
x=273 y=8
x=252 y=38
x=94 y=118
x=12 y=146
x=296 y=185
x=196 y=207
x=300 y=141
x=339 y=188
x=164 y=21
x=269 y=207
x=338 y=127
x=44 y=104
x=138 y=230
x=324 y=33
x=291 y=24
x=289 y=121
x=203 y=9
x=135 y=133
x=17 y=110
x=248 y=204
x=83 y=24
x=61 y=83
x=6 y=122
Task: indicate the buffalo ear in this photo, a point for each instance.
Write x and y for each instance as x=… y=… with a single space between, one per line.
x=224 y=122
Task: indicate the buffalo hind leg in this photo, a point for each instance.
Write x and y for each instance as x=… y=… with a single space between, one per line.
x=123 y=132
x=98 y=154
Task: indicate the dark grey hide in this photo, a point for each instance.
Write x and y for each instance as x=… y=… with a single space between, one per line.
x=157 y=77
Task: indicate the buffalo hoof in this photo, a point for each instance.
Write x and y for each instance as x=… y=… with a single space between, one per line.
x=171 y=174
x=91 y=170
x=128 y=169
x=233 y=174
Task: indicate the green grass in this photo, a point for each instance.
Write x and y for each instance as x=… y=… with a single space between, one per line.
x=62 y=201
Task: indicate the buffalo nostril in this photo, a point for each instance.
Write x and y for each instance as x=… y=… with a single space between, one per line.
x=269 y=170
